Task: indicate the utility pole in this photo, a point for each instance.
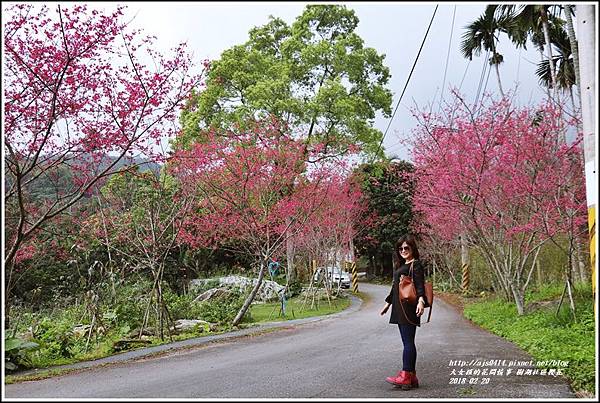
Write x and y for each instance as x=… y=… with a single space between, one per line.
x=586 y=26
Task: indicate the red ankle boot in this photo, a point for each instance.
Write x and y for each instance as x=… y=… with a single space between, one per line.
x=403 y=380
x=414 y=382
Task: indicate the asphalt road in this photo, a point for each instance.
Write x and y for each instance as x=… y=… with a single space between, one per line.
x=345 y=356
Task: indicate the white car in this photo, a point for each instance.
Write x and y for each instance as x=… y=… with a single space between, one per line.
x=335 y=276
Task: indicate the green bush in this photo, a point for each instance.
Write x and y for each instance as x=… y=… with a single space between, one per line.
x=181 y=306
x=131 y=303
x=16 y=353
x=543 y=334
x=56 y=337
x=222 y=310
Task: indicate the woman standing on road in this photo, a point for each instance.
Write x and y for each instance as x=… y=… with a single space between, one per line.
x=407 y=316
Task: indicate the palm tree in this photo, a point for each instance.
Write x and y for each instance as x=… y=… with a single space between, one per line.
x=482 y=35
x=535 y=22
x=564 y=75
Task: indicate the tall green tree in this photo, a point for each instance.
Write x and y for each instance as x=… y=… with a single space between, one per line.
x=315 y=75
x=387 y=187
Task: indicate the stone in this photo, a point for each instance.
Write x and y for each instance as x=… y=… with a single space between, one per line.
x=549 y=305
x=212 y=293
x=269 y=290
x=182 y=325
x=135 y=333
x=81 y=330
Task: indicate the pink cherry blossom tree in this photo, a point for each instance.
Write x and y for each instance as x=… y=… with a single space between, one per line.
x=243 y=179
x=327 y=236
x=83 y=92
x=504 y=177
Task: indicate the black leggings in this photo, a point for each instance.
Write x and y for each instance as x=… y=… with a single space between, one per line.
x=409 y=355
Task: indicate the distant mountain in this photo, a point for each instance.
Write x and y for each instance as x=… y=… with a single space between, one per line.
x=144 y=164
x=45 y=188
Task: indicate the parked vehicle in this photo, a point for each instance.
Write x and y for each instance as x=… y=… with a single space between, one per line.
x=335 y=276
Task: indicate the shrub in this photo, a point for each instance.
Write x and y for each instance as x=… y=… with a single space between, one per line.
x=56 y=337
x=131 y=302
x=181 y=306
x=15 y=353
x=221 y=309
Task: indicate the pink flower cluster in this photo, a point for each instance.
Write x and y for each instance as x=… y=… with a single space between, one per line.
x=505 y=170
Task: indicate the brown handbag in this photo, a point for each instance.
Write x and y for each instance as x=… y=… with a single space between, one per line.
x=408 y=294
x=407 y=291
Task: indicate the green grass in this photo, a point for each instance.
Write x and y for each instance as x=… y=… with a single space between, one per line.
x=294 y=309
x=545 y=335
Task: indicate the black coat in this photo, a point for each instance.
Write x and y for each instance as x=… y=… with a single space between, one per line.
x=397 y=316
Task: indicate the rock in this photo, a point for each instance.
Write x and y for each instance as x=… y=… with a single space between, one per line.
x=81 y=330
x=537 y=305
x=201 y=284
x=182 y=325
x=212 y=293
x=269 y=290
x=135 y=333
x=28 y=335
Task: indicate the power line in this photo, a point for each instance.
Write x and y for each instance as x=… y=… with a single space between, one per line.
x=485 y=86
x=407 y=81
x=464 y=75
x=447 y=58
x=459 y=87
x=485 y=63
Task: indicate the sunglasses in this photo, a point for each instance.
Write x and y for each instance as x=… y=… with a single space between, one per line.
x=403 y=248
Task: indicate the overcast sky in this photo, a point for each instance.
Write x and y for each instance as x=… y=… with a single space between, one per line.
x=395 y=29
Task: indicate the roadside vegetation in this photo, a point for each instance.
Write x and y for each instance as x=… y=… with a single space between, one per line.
x=546 y=332
x=54 y=335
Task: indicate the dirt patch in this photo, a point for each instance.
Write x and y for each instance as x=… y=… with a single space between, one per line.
x=457 y=301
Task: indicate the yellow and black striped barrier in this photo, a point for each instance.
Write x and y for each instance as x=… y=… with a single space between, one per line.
x=592 y=234
x=466 y=281
x=351 y=267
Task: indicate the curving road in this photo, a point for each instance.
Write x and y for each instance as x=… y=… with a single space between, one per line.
x=347 y=355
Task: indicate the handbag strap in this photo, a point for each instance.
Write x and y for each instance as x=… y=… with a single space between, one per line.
x=406 y=316
x=411 y=274
x=404 y=312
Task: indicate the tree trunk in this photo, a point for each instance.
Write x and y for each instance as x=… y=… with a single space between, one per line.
x=291 y=274
x=539 y=274
x=498 y=77
x=519 y=297
x=253 y=293
x=580 y=262
x=549 y=49
x=542 y=59
x=574 y=49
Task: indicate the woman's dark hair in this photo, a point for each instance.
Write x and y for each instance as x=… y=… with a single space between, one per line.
x=410 y=241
